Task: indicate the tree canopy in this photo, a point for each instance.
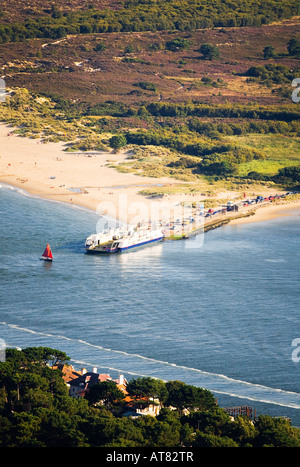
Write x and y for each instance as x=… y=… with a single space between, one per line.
x=37 y=411
x=117 y=142
x=146 y=15
x=105 y=392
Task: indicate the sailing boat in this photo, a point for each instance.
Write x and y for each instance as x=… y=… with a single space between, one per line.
x=47 y=255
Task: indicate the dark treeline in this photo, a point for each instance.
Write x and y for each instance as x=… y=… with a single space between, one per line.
x=149 y=15
x=36 y=411
x=222 y=111
x=286 y=117
x=212 y=129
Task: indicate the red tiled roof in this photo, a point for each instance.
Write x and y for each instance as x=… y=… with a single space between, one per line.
x=68 y=372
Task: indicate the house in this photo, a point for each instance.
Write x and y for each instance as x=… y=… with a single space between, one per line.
x=80 y=385
x=142 y=406
x=79 y=382
x=121 y=383
x=68 y=372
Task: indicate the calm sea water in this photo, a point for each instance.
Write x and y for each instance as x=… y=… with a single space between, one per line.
x=221 y=316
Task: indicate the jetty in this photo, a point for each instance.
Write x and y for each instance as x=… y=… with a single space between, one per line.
x=198 y=220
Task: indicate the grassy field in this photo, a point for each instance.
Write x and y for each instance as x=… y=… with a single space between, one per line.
x=279 y=151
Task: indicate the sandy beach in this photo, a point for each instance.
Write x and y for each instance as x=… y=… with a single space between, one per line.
x=84 y=179
x=267 y=213
x=47 y=170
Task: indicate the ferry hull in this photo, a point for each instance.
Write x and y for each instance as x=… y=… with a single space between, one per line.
x=107 y=250
x=141 y=245
x=100 y=251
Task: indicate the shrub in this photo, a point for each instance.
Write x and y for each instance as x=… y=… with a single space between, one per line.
x=209 y=51
x=146 y=85
x=117 y=142
x=178 y=44
x=100 y=47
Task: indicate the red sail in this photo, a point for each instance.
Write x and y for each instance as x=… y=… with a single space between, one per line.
x=47 y=253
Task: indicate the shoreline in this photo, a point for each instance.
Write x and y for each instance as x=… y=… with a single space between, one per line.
x=85 y=180
x=81 y=178
x=259 y=214
x=266 y=213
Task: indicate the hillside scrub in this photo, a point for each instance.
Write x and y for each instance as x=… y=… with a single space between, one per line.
x=145 y=15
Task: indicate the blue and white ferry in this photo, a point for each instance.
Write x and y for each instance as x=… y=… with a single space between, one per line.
x=122 y=239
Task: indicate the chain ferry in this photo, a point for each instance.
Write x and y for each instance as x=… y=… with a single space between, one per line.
x=122 y=239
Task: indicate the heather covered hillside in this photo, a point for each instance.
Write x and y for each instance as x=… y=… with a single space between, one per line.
x=199 y=78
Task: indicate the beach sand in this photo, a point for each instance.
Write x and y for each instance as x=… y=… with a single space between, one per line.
x=84 y=179
x=48 y=171
x=267 y=213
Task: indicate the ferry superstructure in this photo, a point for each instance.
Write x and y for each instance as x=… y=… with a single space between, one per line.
x=122 y=239
x=96 y=241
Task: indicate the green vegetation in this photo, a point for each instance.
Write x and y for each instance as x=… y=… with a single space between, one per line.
x=161 y=101
x=272 y=73
x=146 y=15
x=269 y=52
x=284 y=113
x=178 y=44
x=294 y=47
x=209 y=158
x=100 y=47
x=236 y=140
x=209 y=51
x=146 y=85
x=212 y=112
x=36 y=411
x=279 y=150
x=288 y=175
x=117 y=142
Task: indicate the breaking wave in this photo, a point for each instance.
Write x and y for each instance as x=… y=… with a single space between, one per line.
x=140 y=365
